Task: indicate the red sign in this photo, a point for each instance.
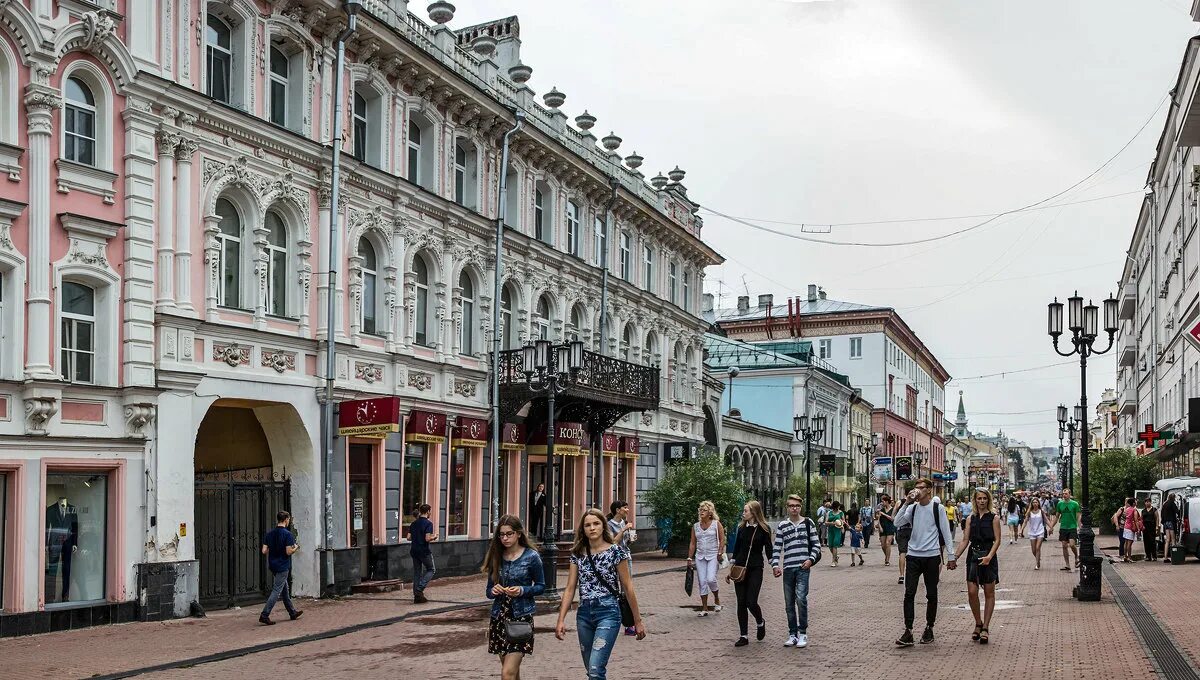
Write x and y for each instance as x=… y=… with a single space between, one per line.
x=568 y=440
x=610 y=444
x=1194 y=335
x=469 y=432
x=630 y=447
x=1149 y=436
x=427 y=427
x=369 y=417
x=512 y=437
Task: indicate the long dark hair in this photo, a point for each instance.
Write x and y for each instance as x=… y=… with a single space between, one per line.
x=495 y=551
x=581 y=545
x=1012 y=504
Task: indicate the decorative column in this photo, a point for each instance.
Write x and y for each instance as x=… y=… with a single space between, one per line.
x=183 y=222
x=324 y=198
x=212 y=263
x=165 y=218
x=305 y=280
x=390 y=301
x=354 y=281
x=138 y=297
x=262 y=269
x=40 y=103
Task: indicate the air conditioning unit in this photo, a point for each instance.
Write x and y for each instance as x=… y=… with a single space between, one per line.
x=1170 y=322
x=1170 y=359
x=1178 y=259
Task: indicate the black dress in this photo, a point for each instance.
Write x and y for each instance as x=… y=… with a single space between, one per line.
x=982 y=538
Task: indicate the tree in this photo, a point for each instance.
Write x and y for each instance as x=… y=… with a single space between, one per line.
x=1113 y=476
x=795 y=486
x=676 y=497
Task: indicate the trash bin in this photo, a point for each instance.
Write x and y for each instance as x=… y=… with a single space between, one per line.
x=1178 y=554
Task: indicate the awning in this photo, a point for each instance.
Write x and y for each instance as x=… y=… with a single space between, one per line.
x=630 y=447
x=469 y=432
x=512 y=437
x=377 y=417
x=425 y=427
x=1184 y=444
x=610 y=445
x=568 y=440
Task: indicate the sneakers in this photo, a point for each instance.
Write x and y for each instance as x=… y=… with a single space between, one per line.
x=905 y=640
x=741 y=642
x=790 y=642
x=762 y=631
x=927 y=636
x=801 y=640
x=900 y=580
x=717 y=609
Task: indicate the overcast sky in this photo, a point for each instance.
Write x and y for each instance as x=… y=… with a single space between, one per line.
x=841 y=111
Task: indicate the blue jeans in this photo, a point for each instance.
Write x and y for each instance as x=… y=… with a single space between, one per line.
x=598 y=622
x=279 y=589
x=795 y=595
x=423 y=572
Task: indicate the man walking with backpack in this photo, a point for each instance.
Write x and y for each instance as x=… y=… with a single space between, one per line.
x=798 y=547
x=930 y=532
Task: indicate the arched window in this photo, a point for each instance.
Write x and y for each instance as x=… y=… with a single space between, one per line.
x=421 y=276
x=277 y=266
x=360 y=127
x=541 y=319
x=651 y=349
x=79 y=123
x=507 y=330
x=78 y=341
x=576 y=325
x=466 y=300
x=677 y=373
x=626 y=342
x=230 y=238
x=280 y=72
x=370 y=285
x=220 y=59
x=572 y=229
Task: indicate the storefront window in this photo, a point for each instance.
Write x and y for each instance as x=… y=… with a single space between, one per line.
x=3 y=524
x=566 y=467
x=76 y=528
x=502 y=483
x=456 y=494
x=618 y=490
x=412 y=485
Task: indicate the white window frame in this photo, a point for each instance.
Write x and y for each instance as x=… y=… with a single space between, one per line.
x=421 y=305
x=507 y=330
x=648 y=268
x=424 y=171
x=466 y=306
x=623 y=256
x=370 y=282
x=283 y=81
x=72 y=110
x=414 y=151
x=672 y=281
x=277 y=252
x=824 y=348
x=224 y=239
x=856 y=343
x=68 y=354
x=600 y=243
x=228 y=52
x=687 y=291
x=360 y=127
x=572 y=216
x=460 y=173
x=539 y=214
x=541 y=323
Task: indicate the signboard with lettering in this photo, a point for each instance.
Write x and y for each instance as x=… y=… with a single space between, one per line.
x=630 y=447
x=883 y=469
x=369 y=417
x=610 y=444
x=904 y=468
x=826 y=463
x=470 y=432
x=568 y=440
x=426 y=427
x=512 y=437
x=673 y=452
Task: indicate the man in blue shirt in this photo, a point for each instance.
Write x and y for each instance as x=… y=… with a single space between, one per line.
x=421 y=533
x=278 y=545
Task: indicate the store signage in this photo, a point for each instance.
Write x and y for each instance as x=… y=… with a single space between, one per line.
x=470 y=432
x=610 y=444
x=425 y=427
x=674 y=452
x=1149 y=436
x=904 y=468
x=883 y=469
x=630 y=447
x=1194 y=335
x=568 y=440
x=512 y=437
x=826 y=463
x=369 y=417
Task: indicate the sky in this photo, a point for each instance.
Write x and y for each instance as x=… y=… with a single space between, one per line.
x=825 y=112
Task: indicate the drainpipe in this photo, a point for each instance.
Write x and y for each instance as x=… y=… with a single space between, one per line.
x=502 y=208
x=597 y=464
x=351 y=7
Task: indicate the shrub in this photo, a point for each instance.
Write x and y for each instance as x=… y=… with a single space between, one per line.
x=795 y=486
x=677 y=495
x=1113 y=476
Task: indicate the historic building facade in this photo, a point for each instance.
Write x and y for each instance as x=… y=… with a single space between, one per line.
x=165 y=223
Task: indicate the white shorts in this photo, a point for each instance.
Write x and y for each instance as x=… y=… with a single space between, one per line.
x=1129 y=535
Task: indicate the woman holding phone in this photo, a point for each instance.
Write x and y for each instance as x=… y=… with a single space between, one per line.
x=515 y=577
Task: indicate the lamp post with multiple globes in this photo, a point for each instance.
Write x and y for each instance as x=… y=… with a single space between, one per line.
x=808 y=430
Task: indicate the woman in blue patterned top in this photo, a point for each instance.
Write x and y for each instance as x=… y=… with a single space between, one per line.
x=515 y=577
x=601 y=570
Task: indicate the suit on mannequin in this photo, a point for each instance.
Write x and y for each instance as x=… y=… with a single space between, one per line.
x=62 y=540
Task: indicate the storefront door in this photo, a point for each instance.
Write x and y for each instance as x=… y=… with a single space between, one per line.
x=533 y=522
x=361 y=482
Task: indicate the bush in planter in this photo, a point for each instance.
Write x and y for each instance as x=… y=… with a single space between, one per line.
x=677 y=495
x=1113 y=476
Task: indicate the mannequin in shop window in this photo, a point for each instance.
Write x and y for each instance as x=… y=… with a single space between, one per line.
x=62 y=540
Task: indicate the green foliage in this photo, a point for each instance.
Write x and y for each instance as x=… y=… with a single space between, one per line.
x=963 y=495
x=795 y=486
x=1113 y=476
x=707 y=478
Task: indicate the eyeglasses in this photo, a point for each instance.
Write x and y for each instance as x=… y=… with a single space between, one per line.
x=922 y=487
x=506 y=534
x=793 y=505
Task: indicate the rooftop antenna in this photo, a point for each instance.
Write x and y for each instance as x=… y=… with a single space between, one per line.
x=745 y=285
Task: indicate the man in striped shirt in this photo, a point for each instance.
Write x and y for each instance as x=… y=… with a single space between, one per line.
x=798 y=545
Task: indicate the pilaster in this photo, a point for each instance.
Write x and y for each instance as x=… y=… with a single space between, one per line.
x=40 y=103
x=183 y=221
x=138 y=277
x=164 y=279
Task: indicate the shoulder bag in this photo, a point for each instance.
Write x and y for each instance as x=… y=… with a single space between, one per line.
x=516 y=632
x=622 y=601
x=738 y=571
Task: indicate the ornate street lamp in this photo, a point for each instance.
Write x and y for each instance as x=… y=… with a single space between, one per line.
x=808 y=430
x=1069 y=427
x=867 y=451
x=550 y=370
x=1083 y=321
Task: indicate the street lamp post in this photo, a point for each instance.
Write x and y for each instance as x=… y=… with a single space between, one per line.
x=1084 y=324
x=550 y=373
x=1069 y=427
x=868 y=453
x=808 y=430
x=733 y=373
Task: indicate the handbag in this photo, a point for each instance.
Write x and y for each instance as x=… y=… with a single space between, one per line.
x=689 y=580
x=516 y=632
x=622 y=602
x=737 y=572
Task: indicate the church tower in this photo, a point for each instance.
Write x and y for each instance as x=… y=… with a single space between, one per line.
x=960 y=421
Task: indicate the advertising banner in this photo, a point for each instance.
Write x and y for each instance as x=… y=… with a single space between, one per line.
x=904 y=468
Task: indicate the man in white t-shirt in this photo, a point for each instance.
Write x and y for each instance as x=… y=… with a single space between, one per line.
x=930 y=537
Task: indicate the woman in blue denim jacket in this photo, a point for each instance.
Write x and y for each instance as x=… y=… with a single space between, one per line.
x=515 y=577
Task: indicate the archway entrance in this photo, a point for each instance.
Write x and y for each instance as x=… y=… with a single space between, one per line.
x=238 y=492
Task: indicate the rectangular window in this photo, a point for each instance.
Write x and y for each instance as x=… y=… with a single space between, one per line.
x=687 y=291
x=855 y=348
x=825 y=348
x=456 y=492
x=76 y=537
x=78 y=341
x=672 y=280
x=648 y=268
x=412 y=485
x=231 y=255
x=572 y=229
x=279 y=100
x=601 y=243
x=368 y=302
x=538 y=215
x=623 y=256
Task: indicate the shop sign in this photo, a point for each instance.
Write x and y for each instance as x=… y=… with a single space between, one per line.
x=630 y=447
x=674 y=452
x=904 y=468
x=610 y=444
x=426 y=427
x=826 y=463
x=377 y=417
x=469 y=432
x=568 y=440
x=883 y=469
x=512 y=437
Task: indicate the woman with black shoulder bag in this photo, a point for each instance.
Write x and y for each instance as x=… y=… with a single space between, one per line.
x=753 y=551
x=515 y=577
x=981 y=540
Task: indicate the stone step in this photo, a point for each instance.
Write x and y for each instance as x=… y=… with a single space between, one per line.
x=384 y=586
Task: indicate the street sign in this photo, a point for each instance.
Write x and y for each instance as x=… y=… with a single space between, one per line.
x=883 y=469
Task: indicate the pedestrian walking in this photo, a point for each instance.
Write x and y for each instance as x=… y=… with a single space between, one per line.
x=1170 y=519
x=514 y=578
x=600 y=568
x=704 y=553
x=964 y=511
x=822 y=527
x=856 y=538
x=1014 y=519
x=930 y=530
x=797 y=548
x=903 y=535
x=420 y=534
x=835 y=528
x=752 y=550
x=537 y=509
x=887 y=527
x=279 y=545
x=1150 y=524
x=952 y=518
x=1034 y=525
x=867 y=520
x=1068 y=511
x=981 y=540
x=1128 y=522
x=623 y=533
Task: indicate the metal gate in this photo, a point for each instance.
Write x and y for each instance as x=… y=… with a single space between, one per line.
x=232 y=516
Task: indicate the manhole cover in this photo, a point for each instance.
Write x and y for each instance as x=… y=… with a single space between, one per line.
x=1000 y=604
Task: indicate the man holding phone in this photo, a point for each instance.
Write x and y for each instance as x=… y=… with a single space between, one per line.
x=930 y=530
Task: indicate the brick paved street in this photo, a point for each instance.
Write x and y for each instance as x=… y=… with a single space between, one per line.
x=855 y=615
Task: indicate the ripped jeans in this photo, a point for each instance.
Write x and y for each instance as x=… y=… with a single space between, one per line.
x=598 y=622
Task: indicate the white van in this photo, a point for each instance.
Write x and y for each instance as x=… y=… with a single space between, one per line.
x=1190 y=532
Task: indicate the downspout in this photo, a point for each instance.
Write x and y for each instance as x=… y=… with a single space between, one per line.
x=597 y=464
x=502 y=209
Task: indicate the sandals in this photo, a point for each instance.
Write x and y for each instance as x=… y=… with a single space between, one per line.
x=983 y=636
x=978 y=630
x=704 y=613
